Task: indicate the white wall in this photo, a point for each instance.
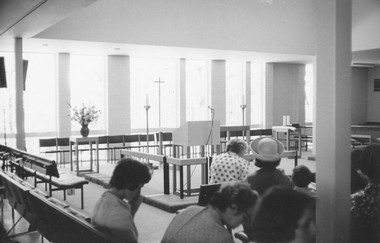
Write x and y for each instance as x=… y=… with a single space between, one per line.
x=364 y=21
x=359 y=95
x=373 y=111
x=288 y=97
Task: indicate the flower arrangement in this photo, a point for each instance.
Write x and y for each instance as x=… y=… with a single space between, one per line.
x=85 y=115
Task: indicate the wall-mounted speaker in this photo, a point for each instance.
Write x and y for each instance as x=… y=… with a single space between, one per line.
x=3 y=77
x=25 y=70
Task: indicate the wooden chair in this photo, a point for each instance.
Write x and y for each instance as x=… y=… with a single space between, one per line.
x=103 y=145
x=255 y=133
x=358 y=140
x=236 y=134
x=266 y=132
x=223 y=140
x=144 y=141
x=132 y=141
x=164 y=140
x=63 y=148
x=205 y=193
x=49 y=146
x=115 y=142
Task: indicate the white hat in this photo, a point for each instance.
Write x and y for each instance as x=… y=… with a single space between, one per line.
x=267 y=149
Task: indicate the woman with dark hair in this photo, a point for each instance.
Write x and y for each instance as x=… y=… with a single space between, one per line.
x=267 y=152
x=303 y=180
x=358 y=180
x=365 y=209
x=283 y=215
x=114 y=211
x=230 y=166
x=229 y=207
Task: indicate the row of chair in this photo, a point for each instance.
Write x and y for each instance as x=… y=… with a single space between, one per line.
x=108 y=143
x=112 y=143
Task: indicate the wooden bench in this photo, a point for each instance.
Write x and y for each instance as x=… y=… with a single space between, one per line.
x=54 y=220
x=59 y=223
x=43 y=171
x=360 y=140
x=17 y=195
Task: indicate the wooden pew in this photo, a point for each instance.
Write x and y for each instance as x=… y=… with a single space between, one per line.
x=54 y=220
x=17 y=195
x=43 y=171
x=65 y=224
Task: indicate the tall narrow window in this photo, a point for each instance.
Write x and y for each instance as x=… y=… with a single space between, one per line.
x=257 y=94
x=309 y=100
x=87 y=86
x=7 y=101
x=154 y=81
x=235 y=90
x=197 y=90
x=40 y=94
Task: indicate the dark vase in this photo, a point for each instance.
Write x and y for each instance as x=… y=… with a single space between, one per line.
x=84 y=131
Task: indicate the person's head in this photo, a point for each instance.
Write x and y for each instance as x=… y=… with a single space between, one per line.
x=130 y=174
x=235 y=201
x=369 y=162
x=267 y=151
x=355 y=157
x=237 y=146
x=284 y=215
x=302 y=176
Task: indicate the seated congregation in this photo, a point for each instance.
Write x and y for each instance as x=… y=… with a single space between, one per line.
x=263 y=206
x=237 y=202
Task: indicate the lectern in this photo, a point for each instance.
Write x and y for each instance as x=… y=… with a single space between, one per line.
x=193 y=133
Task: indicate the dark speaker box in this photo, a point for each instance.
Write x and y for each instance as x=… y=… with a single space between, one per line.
x=3 y=77
x=25 y=70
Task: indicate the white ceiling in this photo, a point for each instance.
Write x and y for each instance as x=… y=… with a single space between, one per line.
x=29 y=18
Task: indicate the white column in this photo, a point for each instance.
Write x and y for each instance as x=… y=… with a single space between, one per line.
x=269 y=95
x=218 y=90
x=119 y=111
x=333 y=120
x=64 y=97
x=182 y=91
x=20 y=113
x=248 y=93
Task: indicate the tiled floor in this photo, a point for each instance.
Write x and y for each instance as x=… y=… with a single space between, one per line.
x=150 y=221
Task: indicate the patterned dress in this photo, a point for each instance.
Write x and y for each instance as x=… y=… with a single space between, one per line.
x=228 y=167
x=365 y=215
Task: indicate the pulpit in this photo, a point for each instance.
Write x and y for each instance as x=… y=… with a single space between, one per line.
x=192 y=133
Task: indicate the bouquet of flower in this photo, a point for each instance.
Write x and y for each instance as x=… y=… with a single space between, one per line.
x=85 y=115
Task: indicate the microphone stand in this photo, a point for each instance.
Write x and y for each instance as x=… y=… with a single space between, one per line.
x=5 y=128
x=243 y=108
x=212 y=127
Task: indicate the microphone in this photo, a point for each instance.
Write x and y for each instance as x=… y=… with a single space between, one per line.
x=211 y=108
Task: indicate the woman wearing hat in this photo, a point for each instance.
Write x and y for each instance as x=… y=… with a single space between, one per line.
x=267 y=153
